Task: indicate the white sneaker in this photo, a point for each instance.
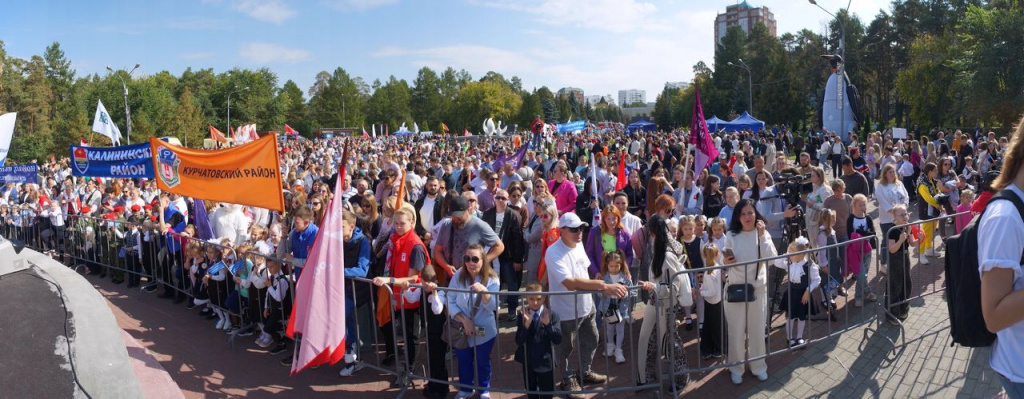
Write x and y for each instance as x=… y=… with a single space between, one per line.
x=609 y=350
x=463 y=394
x=762 y=376
x=228 y=325
x=220 y=324
x=350 y=358
x=350 y=369
x=619 y=358
x=737 y=378
x=924 y=260
x=931 y=252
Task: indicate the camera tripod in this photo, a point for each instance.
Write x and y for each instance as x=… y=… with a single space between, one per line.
x=795 y=226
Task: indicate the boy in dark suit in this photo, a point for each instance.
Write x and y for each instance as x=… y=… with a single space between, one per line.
x=537 y=330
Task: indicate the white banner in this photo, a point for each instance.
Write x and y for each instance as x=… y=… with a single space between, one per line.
x=6 y=132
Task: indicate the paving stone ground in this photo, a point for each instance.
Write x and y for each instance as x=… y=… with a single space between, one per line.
x=859 y=362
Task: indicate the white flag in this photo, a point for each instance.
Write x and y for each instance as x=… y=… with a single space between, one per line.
x=415 y=128
x=102 y=124
x=374 y=128
x=253 y=136
x=6 y=131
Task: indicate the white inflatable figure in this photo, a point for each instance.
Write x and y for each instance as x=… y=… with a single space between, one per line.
x=501 y=130
x=488 y=127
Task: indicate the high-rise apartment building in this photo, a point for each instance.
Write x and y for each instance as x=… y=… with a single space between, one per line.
x=631 y=96
x=745 y=16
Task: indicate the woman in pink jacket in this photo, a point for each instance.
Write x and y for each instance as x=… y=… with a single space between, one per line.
x=563 y=190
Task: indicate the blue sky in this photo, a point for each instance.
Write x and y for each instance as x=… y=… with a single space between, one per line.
x=601 y=46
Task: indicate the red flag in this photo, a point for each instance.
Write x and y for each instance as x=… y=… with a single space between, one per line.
x=83 y=143
x=231 y=131
x=253 y=136
x=699 y=136
x=53 y=159
x=217 y=135
x=621 y=182
x=465 y=132
x=289 y=131
x=318 y=311
x=365 y=136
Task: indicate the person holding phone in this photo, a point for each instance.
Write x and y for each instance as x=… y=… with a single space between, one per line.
x=474 y=310
x=747 y=241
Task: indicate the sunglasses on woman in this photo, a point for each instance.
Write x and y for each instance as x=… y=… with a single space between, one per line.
x=470 y=259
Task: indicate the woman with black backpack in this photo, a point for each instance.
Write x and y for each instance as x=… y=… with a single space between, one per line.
x=1000 y=249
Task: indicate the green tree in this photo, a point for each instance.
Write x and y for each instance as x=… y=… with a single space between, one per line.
x=427 y=103
x=337 y=100
x=296 y=112
x=477 y=101
x=926 y=85
x=991 y=65
x=33 y=126
x=187 y=123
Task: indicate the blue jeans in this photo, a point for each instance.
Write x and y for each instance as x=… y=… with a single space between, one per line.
x=862 y=277
x=885 y=242
x=512 y=279
x=482 y=352
x=1014 y=390
x=351 y=336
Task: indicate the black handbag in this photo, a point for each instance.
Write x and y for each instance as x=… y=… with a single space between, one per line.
x=743 y=292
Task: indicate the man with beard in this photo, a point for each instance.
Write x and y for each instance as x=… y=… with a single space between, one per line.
x=428 y=208
x=458 y=233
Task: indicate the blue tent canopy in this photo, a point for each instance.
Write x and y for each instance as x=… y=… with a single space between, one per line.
x=745 y=122
x=641 y=125
x=402 y=132
x=715 y=124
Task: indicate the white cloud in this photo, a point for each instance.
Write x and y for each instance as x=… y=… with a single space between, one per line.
x=274 y=11
x=267 y=53
x=358 y=5
x=619 y=16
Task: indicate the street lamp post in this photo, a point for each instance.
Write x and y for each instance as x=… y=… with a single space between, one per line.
x=127 y=109
x=840 y=67
x=750 y=85
x=235 y=90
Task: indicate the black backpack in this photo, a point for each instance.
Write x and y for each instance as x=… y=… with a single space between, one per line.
x=963 y=282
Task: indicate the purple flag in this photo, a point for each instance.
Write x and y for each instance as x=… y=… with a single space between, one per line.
x=515 y=159
x=699 y=136
x=203 y=229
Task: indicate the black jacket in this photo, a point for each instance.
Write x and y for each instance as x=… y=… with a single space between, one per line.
x=534 y=343
x=420 y=231
x=511 y=234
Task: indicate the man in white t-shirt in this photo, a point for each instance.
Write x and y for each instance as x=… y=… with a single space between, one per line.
x=567 y=265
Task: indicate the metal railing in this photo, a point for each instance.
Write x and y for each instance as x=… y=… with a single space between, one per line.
x=165 y=260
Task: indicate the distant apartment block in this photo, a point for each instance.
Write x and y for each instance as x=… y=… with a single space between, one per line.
x=745 y=16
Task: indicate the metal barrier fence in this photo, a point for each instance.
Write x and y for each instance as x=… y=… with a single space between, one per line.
x=770 y=295
x=911 y=281
x=167 y=260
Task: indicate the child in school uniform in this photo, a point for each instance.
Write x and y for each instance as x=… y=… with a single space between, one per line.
x=614 y=271
x=966 y=199
x=804 y=278
x=277 y=306
x=712 y=332
x=537 y=330
x=692 y=249
x=199 y=263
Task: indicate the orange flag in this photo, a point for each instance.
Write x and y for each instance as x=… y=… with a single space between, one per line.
x=217 y=135
x=248 y=174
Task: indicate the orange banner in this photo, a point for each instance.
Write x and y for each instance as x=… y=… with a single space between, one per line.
x=248 y=174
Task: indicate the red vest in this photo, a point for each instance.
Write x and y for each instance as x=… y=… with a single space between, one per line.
x=401 y=256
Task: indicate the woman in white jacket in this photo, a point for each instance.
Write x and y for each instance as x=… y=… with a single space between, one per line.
x=666 y=269
x=748 y=241
x=889 y=191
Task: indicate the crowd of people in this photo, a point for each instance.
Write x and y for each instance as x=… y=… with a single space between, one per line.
x=473 y=221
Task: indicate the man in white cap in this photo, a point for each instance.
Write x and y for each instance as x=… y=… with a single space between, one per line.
x=567 y=265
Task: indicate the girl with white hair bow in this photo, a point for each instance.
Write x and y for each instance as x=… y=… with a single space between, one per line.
x=804 y=278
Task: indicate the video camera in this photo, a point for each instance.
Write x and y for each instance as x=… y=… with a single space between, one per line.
x=792 y=186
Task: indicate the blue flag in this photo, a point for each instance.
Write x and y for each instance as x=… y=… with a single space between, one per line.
x=203 y=229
